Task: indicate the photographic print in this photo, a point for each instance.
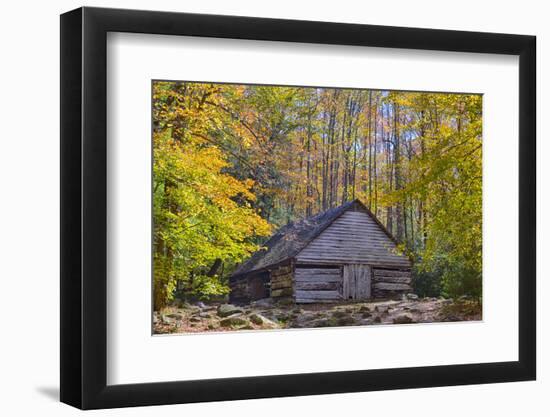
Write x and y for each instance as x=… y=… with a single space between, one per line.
x=287 y=207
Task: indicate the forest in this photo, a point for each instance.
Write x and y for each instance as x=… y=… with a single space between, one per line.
x=232 y=163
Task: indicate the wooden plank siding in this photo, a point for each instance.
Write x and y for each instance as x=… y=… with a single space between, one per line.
x=353 y=238
x=314 y=285
x=391 y=283
x=398 y=277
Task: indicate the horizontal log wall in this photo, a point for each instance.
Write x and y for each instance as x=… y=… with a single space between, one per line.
x=391 y=283
x=321 y=285
x=354 y=238
x=239 y=291
x=281 y=281
x=317 y=285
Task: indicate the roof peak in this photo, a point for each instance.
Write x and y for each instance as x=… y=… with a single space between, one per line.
x=347 y=204
x=291 y=238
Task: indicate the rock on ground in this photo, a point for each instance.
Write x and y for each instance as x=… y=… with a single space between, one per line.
x=234 y=320
x=225 y=310
x=404 y=319
x=265 y=314
x=261 y=320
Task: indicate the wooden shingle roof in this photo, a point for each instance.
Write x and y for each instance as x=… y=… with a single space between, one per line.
x=288 y=241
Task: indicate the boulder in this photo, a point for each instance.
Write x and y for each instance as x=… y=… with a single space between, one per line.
x=260 y=320
x=204 y=315
x=345 y=321
x=167 y=320
x=234 y=320
x=412 y=296
x=226 y=310
x=321 y=323
x=303 y=320
x=364 y=309
x=183 y=305
x=175 y=316
x=339 y=314
x=282 y=316
x=403 y=319
x=382 y=308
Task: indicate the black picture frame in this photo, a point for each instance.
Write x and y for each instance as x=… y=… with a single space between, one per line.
x=84 y=207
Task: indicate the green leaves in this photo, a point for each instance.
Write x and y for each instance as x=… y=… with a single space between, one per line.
x=201 y=213
x=448 y=176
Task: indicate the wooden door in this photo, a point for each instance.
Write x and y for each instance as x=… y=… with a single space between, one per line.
x=356 y=282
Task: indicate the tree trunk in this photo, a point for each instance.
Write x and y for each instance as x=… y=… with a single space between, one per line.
x=369 y=130
x=397 y=171
x=214 y=268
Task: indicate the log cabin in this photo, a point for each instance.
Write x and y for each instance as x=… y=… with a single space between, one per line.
x=344 y=253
